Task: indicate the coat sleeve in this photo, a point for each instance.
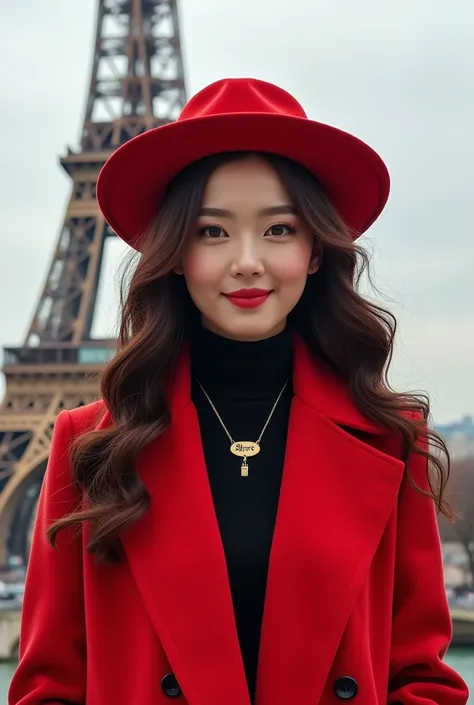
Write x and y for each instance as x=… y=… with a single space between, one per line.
x=52 y=666
x=421 y=625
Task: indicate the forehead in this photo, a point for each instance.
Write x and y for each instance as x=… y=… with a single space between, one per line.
x=251 y=181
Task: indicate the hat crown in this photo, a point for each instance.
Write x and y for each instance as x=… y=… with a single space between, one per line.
x=241 y=95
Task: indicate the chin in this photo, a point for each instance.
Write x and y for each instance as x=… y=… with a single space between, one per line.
x=251 y=332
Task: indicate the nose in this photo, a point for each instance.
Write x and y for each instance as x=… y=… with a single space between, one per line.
x=247 y=261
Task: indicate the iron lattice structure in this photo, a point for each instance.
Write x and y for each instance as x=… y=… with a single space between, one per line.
x=137 y=83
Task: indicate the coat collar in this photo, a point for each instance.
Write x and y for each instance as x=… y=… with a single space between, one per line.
x=176 y=557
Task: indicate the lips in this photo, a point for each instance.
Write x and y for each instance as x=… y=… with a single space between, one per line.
x=248 y=298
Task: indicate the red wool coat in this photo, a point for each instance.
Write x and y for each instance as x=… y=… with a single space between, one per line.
x=355 y=604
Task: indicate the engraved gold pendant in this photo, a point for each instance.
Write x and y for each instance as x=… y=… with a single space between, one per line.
x=244 y=449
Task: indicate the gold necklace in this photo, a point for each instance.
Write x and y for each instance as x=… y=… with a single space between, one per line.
x=244 y=449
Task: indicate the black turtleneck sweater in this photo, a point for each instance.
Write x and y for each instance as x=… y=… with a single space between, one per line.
x=243 y=380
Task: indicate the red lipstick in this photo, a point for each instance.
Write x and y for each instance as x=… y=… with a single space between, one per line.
x=248 y=298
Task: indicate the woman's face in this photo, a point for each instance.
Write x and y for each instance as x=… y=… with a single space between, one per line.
x=247 y=262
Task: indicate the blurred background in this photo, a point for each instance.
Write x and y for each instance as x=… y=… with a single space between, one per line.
x=397 y=75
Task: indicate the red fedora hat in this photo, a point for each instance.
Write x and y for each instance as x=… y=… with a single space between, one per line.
x=240 y=114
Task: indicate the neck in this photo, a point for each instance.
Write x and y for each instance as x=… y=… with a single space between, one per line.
x=238 y=369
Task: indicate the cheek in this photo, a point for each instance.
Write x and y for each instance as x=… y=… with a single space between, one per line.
x=291 y=267
x=201 y=268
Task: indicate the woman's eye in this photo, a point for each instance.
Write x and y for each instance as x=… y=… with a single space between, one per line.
x=212 y=231
x=280 y=229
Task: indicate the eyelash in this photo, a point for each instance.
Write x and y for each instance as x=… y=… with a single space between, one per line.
x=290 y=227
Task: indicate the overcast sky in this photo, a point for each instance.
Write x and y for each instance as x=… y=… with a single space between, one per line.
x=399 y=75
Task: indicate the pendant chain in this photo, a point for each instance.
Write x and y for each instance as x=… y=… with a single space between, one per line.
x=259 y=439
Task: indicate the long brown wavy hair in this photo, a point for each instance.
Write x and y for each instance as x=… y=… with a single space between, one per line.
x=352 y=335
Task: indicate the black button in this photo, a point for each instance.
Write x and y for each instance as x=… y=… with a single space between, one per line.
x=346 y=688
x=170 y=686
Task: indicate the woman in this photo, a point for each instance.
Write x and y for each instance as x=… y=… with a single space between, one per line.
x=247 y=516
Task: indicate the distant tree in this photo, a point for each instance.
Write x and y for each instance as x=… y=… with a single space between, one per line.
x=461 y=496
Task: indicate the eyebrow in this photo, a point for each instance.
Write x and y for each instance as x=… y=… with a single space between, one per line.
x=272 y=210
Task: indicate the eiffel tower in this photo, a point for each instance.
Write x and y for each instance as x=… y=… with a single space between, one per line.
x=137 y=83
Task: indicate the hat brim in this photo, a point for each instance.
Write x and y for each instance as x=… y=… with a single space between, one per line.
x=133 y=181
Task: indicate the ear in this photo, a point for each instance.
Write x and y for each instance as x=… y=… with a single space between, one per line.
x=178 y=270
x=316 y=258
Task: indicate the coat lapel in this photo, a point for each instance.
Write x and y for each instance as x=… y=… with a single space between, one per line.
x=177 y=559
x=327 y=530
x=336 y=497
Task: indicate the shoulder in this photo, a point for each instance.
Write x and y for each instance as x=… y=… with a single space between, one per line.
x=416 y=415
x=86 y=418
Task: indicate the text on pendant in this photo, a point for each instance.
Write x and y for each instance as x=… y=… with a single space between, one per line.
x=245 y=448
